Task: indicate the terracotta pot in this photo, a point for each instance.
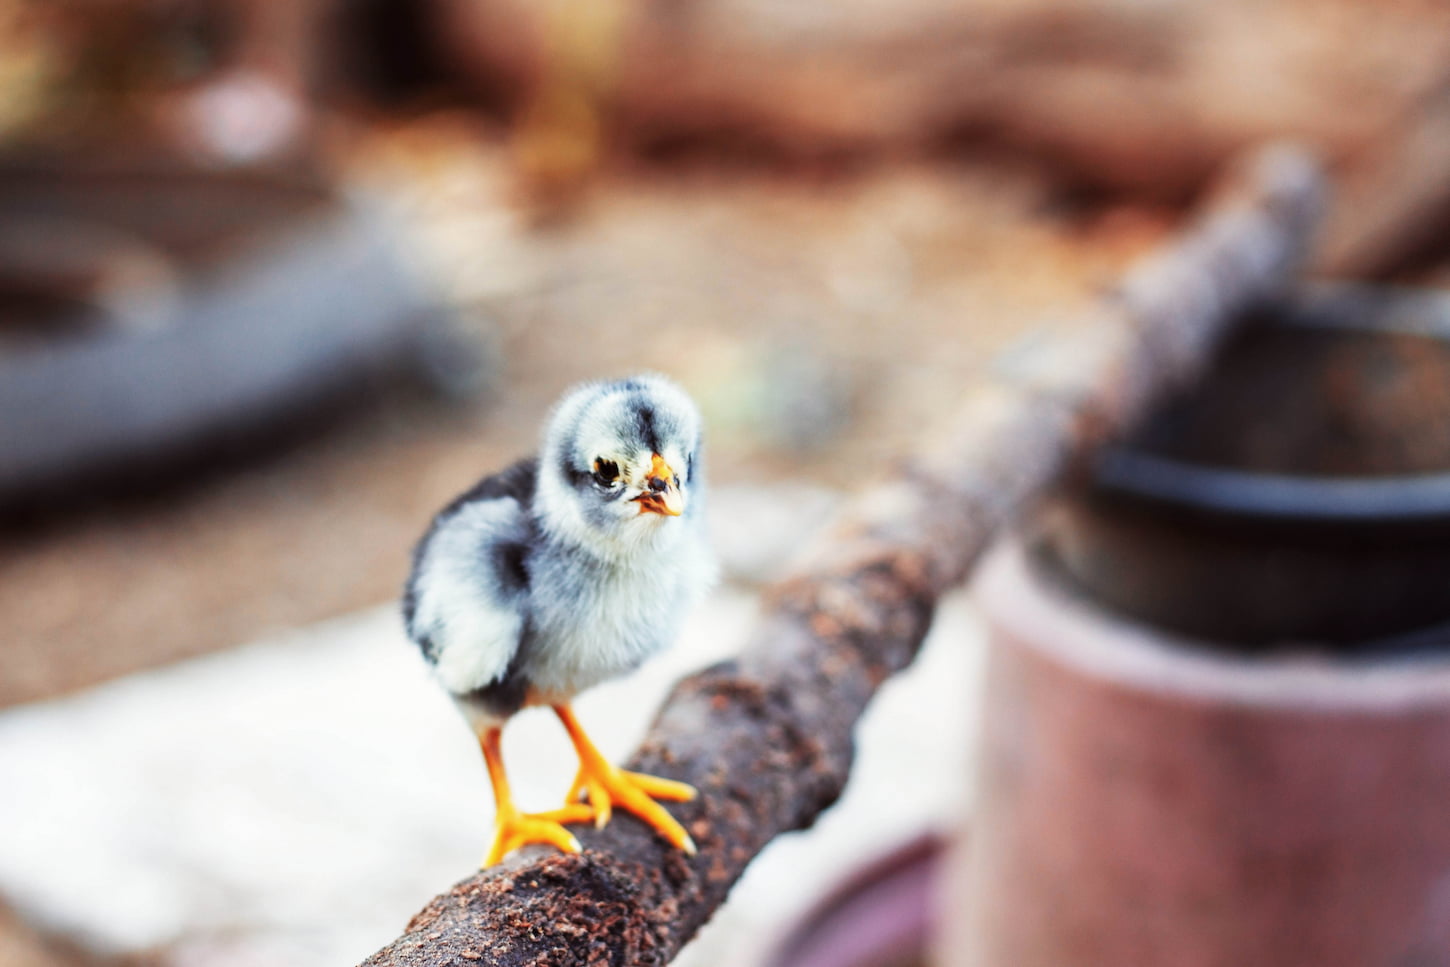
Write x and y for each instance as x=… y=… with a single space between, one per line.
x=1149 y=799
x=881 y=916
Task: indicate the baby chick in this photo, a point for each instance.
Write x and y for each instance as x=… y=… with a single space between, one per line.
x=561 y=572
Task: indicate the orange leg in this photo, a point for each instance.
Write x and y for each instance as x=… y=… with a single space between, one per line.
x=606 y=786
x=512 y=828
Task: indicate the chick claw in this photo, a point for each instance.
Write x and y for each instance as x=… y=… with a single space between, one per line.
x=513 y=829
x=605 y=785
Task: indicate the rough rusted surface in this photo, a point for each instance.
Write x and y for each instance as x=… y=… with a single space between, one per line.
x=767 y=739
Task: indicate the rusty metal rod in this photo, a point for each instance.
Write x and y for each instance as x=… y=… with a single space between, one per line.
x=767 y=738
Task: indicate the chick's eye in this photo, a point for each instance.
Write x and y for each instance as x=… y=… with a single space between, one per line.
x=606 y=472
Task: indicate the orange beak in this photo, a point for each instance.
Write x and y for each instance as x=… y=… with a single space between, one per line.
x=663 y=494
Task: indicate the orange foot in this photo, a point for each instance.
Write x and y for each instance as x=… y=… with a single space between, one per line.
x=606 y=786
x=513 y=829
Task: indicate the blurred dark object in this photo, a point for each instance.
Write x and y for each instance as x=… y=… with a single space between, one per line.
x=155 y=313
x=1145 y=798
x=386 y=53
x=881 y=916
x=1301 y=494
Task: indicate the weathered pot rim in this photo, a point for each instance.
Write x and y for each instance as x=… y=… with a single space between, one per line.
x=873 y=913
x=1047 y=615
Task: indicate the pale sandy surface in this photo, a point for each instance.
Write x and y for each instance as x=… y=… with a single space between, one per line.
x=294 y=801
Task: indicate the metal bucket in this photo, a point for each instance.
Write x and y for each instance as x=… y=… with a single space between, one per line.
x=1302 y=493
x=1218 y=701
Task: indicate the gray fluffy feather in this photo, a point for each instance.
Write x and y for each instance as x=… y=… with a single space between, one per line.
x=541 y=581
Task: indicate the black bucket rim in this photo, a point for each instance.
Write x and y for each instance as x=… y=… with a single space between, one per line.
x=1122 y=471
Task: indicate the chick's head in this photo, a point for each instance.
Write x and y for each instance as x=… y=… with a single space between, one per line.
x=619 y=465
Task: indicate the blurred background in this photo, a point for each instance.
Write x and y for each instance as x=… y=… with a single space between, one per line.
x=277 y=280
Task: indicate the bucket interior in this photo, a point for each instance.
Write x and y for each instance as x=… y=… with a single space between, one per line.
x=1298 y=497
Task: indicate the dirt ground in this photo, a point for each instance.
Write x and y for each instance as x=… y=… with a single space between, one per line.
x=820 y=321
